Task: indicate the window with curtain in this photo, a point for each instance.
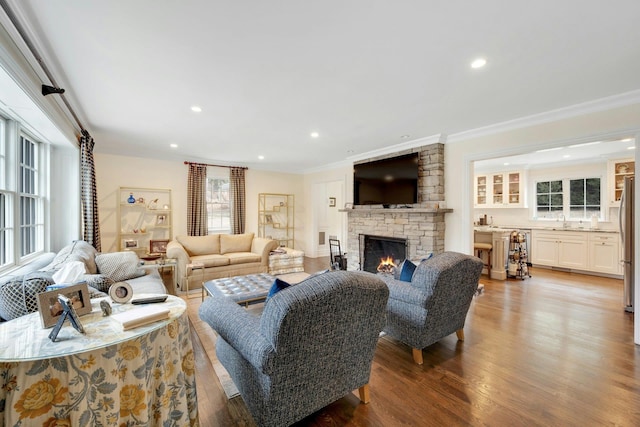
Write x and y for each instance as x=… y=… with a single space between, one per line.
x=218 y=207
x=22 y=200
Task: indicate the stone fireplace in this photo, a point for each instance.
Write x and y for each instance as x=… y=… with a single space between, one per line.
x=422 y=225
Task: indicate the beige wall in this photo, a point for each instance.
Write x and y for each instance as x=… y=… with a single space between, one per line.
x=618 y=122
x=113 y=172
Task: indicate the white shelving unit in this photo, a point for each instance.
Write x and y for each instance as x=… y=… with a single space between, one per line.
x=144 y=214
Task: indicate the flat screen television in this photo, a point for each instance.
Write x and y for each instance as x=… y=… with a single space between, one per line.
x=387 y=181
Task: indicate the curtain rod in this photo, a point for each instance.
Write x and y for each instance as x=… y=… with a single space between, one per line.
x=14 y=20
x=218 y=166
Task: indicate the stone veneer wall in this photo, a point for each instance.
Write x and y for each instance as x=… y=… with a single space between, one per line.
x=423 y=224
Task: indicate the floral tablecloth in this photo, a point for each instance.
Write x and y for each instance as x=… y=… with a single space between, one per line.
x=145 y=378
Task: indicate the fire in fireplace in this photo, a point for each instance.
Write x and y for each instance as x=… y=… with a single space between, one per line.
x=380 y=254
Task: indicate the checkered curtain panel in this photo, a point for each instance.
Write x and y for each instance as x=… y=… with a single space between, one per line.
x=237 y=200
x=197 y=200
x=91 y=225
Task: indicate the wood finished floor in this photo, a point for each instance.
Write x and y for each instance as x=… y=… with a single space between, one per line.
x=553 y=350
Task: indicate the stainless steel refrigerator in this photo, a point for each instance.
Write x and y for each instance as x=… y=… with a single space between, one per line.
x=627 y=235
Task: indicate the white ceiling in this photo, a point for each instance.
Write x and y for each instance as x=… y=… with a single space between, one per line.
x=361 y=73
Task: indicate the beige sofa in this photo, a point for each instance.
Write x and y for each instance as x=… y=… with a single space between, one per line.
x=223 y=255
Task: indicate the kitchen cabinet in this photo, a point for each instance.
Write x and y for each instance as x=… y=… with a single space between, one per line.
x=566 y=249
x=604 y=253
x=500 y=190
x=617 y=171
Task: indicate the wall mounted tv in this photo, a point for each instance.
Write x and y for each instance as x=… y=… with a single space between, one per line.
x=386 y=181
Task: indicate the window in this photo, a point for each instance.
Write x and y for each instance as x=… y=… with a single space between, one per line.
x=548 y=198
x=584 y=198
x=218 y=208
x=21 y=196
x=577 y=199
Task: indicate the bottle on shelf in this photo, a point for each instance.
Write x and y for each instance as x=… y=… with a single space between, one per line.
x=131 y=199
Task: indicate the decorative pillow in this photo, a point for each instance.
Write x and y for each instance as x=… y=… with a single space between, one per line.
x=119 y=266
x=98 y=281
x=79 y=250
x=277 y=286
x=408 y=268
x=235 y=243
x=18 y=295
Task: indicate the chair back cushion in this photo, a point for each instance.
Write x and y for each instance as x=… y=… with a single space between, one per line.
x=235 y=243
x=328 y=322
x=200 y=245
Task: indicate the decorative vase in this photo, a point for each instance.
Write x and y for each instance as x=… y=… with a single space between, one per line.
x=131 y=199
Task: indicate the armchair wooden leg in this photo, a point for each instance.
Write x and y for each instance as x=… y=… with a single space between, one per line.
x=364 y=393
x=460 y=334
x=417 y=356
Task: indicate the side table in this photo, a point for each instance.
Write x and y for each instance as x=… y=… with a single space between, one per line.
x=194 y=266
x=169 y=263
x=107 y=376
x=291 y=261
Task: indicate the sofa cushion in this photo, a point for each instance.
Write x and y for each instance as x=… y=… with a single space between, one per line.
x=235 y=243
x=243 y=257
x=119 y=266
x=211 y=260
x=18 y=295
x=79 y=250
x=200 y=245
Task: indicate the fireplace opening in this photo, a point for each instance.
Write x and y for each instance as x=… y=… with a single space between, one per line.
x=380 y=254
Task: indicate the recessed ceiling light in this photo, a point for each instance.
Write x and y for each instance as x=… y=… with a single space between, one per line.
x=196 y=109
x=633 y=147
x=260 y=157
x=627 y=139
x=314 y=134
x=566 y=156
x=173 y=145
x=479 y=63
x=506 y=163
x=405 y=136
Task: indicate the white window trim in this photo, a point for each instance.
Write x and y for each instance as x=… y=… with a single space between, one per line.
x=604 y=211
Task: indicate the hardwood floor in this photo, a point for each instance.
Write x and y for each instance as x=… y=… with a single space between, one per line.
x=553 y=350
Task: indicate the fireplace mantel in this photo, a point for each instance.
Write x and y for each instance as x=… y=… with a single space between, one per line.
x=396 y=210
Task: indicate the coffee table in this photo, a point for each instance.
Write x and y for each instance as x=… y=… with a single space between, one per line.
x=244 y=290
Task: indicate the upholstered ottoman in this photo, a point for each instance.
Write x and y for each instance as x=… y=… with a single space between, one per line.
x=245 y=290
x=292 y=261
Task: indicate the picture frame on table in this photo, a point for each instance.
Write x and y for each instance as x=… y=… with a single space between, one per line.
x=332 y=202
x=50 y=307
x=348 y=205
x=158 y=246
x=130 y=244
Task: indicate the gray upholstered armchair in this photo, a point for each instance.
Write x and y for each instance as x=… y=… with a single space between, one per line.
x=312 y=345
x=435 y=303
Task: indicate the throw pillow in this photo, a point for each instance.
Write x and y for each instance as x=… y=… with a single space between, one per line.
x=98 y=281
x=408 y=268
x=18 y=295
x=235 y=243
x=79 y=250
x=119 y=266
x=277 y=286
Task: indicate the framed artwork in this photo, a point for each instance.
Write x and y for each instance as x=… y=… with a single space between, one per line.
x=332 y=202
x=158 y=246
x=268 y=219
x=348 y=205
x=161 y=220
x=130 y=244
x=51 y=308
